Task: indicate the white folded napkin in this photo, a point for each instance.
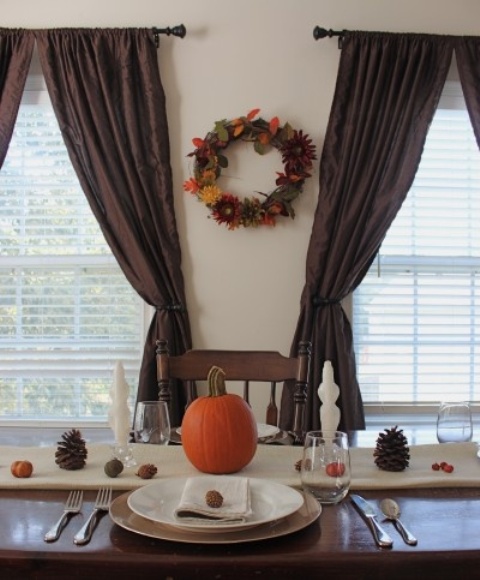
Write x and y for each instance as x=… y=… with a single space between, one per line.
x=236 y=500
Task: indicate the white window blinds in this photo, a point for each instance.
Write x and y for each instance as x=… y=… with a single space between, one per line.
x=67 y=313
x=417 y=313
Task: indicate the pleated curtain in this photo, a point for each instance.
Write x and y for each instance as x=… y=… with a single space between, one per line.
x=108 y=98
x=16 y=48
x=387 y=90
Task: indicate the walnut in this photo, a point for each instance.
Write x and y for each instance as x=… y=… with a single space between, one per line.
x=113 y=467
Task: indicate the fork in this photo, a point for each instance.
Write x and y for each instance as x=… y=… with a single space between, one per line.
x=102 y=504
x=72 y=506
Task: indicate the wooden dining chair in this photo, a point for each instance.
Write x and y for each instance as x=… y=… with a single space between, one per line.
x=239 y=365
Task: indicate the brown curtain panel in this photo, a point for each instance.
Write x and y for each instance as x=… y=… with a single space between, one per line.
x=16 y=48
x=388 y=87
x=107 y=95
x=468 y=61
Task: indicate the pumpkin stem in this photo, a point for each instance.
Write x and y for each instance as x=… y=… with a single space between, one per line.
x=216 y=382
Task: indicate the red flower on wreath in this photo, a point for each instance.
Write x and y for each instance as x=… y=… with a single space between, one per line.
x=298 y=153
x=227 y=211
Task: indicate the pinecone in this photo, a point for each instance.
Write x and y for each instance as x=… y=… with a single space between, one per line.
x=71 y=452
x=146 y=471
x=214 y=499
x=392 y=452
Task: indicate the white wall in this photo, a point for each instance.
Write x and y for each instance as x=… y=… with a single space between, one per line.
x=243 y=287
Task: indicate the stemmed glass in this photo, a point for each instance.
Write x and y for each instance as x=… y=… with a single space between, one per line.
x=152 y=423
x=454 y=423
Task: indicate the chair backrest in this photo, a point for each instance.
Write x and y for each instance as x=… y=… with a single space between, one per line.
x=239 y=365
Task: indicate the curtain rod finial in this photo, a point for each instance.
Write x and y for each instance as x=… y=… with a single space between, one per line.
x=319 y=33
x=180 y=31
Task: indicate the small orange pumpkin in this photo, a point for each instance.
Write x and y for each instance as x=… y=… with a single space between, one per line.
x=219 y=431
x=21 y=468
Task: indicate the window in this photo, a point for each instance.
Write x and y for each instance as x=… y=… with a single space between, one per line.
x=67 y=313
x=416 y=316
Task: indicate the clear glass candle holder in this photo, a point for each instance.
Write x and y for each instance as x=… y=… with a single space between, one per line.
x=124 y=452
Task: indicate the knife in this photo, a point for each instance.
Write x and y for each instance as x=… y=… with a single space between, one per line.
x=381 y=537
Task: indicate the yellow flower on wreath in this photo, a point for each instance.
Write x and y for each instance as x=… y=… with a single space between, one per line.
x=210 y=194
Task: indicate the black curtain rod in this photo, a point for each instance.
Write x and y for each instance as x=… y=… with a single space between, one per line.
x=319 y=33
x=179 y=31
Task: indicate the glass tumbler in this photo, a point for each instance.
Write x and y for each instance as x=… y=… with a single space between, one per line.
x=325 y=468
x=152 y=423
x=454 y=423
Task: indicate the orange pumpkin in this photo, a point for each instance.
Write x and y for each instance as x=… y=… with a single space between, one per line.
x=219 y=431
x=21 y=468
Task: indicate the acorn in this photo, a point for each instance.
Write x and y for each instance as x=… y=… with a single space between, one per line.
x=113 y=467
x=21 y=468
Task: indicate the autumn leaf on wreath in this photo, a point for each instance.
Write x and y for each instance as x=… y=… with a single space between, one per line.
x=191 y=185
x=252 y=114
x=198 y=142
x=221 y=130
x=238 y=127
x=274 y=123
x=222 y=161
x=264 y=138
x=259 y=148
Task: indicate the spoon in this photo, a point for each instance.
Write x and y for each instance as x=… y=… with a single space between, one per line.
x=391 y=510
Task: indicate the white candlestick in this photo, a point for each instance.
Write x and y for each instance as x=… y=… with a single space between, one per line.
x=119 y=415
x=328 y=393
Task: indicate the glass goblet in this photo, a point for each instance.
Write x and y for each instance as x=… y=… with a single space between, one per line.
x=454 y=423
x=152 y=423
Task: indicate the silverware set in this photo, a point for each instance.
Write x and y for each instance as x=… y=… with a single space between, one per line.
x=391 y=512
x=73 y=506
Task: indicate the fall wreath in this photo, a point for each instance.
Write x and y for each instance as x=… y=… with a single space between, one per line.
x=297 y=152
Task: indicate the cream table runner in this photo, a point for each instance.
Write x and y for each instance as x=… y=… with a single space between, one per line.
x=270 y=462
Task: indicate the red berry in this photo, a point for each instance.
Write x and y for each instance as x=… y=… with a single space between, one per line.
x=443 y=464
x=448 y=468
x=436 y=467
x=335 y=469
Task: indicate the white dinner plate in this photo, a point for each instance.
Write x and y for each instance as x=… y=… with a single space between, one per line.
x=263 y=430
x=123 y=516
x=270 y=501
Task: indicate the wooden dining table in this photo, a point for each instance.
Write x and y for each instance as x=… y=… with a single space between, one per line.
x=446 y=522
